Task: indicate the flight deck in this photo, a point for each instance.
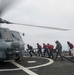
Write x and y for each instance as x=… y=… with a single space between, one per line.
x=37 y=66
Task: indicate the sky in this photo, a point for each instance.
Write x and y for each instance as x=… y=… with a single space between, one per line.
x=52 y=13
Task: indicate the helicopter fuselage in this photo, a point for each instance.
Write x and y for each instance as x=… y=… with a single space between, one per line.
x=11 y=44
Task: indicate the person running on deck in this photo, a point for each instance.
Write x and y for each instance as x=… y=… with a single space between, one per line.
x=58 y=50
x=46 y=50
x=71 y=50
x=30 y=48
x=50 y=48
x=39 y=47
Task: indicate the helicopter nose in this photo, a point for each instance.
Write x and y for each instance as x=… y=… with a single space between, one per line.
x=15 y=45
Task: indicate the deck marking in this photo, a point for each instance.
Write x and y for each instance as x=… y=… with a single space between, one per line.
x=26 y=69
x=50 y=62
x=10 y=69
x=31 y=61
x=23 y=68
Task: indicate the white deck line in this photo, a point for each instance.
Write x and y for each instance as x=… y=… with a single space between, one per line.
x=50 y=62
x=26 y=69
x=23 y=68
x=9 y=69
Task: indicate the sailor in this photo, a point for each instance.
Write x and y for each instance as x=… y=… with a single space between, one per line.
x=45 y=47
x=30 y=48
x=58 y=50
x=39 y=47
x=50 y=48
x=71 y=50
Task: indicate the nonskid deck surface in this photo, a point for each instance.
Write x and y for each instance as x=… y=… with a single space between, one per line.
x=37 y=66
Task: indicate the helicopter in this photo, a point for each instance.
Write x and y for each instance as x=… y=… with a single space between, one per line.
x=11 y=42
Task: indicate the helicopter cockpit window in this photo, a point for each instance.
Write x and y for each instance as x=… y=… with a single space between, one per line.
x=16 y=35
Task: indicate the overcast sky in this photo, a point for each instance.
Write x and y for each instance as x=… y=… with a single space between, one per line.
x=53 y=13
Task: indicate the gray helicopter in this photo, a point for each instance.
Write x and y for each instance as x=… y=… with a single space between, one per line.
x=11 y=43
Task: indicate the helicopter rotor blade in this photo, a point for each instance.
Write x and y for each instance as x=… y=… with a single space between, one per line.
x=55 y=28
x=5 y=3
